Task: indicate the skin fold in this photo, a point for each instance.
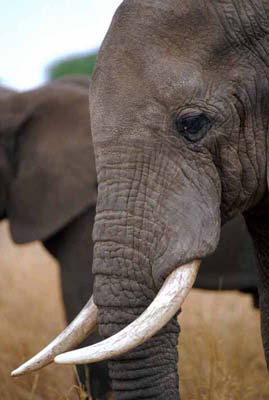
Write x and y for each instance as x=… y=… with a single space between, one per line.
x=38 y=157
x=179 y=117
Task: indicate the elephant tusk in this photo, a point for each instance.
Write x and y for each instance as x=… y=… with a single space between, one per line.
x=166 y=304
x=72 y=336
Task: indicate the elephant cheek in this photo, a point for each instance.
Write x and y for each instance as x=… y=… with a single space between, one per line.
x=181 y=250
x=192 y=231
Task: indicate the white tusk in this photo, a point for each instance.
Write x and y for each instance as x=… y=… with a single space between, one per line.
x=165 y=305
x=72 y=336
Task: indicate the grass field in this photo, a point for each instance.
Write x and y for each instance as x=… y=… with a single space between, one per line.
x=220 y=348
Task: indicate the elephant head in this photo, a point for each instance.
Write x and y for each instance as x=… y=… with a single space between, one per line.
x=179 y=117
x=47 y=172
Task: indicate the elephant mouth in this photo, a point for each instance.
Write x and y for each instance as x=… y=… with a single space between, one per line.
x=165 y=305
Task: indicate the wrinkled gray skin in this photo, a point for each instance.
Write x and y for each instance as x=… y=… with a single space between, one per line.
x=161 y=198
x=37 y=129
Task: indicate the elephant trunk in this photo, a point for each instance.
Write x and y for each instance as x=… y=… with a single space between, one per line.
x=149 y=371
x=127 y=239
x=141 y=235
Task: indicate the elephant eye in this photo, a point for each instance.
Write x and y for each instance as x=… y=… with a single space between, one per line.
x=193 y=127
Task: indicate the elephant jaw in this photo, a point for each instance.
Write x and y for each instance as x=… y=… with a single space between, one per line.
x=163 y=308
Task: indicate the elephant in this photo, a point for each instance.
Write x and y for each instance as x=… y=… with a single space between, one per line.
x=179 y=123
x=179 y=120
x=162 y=104
x=48 y=185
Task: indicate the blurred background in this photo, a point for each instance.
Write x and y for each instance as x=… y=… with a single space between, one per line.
x=42 y=40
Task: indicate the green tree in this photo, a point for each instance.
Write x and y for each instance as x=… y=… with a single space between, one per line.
x=72 y=65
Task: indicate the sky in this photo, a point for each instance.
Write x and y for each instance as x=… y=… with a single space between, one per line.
x=34 y=33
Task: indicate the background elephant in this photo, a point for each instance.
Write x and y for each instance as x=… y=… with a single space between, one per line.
x=179 y=118
x=50 y=185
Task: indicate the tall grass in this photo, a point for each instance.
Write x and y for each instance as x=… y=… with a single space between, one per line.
x=220 y=348
x=221 y=356
x=31 y=314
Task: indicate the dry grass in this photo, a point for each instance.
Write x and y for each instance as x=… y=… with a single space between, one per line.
x=221 y=349
x=30 y=315
x=221 y=352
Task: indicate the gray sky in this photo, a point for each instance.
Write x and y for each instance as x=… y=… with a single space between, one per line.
x=33 y=33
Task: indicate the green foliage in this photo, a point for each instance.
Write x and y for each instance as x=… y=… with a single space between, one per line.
x=73 y=65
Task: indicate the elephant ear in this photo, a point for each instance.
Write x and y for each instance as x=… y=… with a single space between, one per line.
x=54 y=171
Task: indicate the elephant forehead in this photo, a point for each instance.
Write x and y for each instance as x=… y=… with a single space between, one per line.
x=168 y=8
x=160 y=23
x=171 y=43
x=188 y=24
x=243 y=10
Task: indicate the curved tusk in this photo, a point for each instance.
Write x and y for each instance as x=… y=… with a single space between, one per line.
x=165 y=305
x=72 y=336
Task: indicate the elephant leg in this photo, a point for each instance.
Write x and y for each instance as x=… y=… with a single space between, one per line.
x=73 y=248
x=258 y=226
